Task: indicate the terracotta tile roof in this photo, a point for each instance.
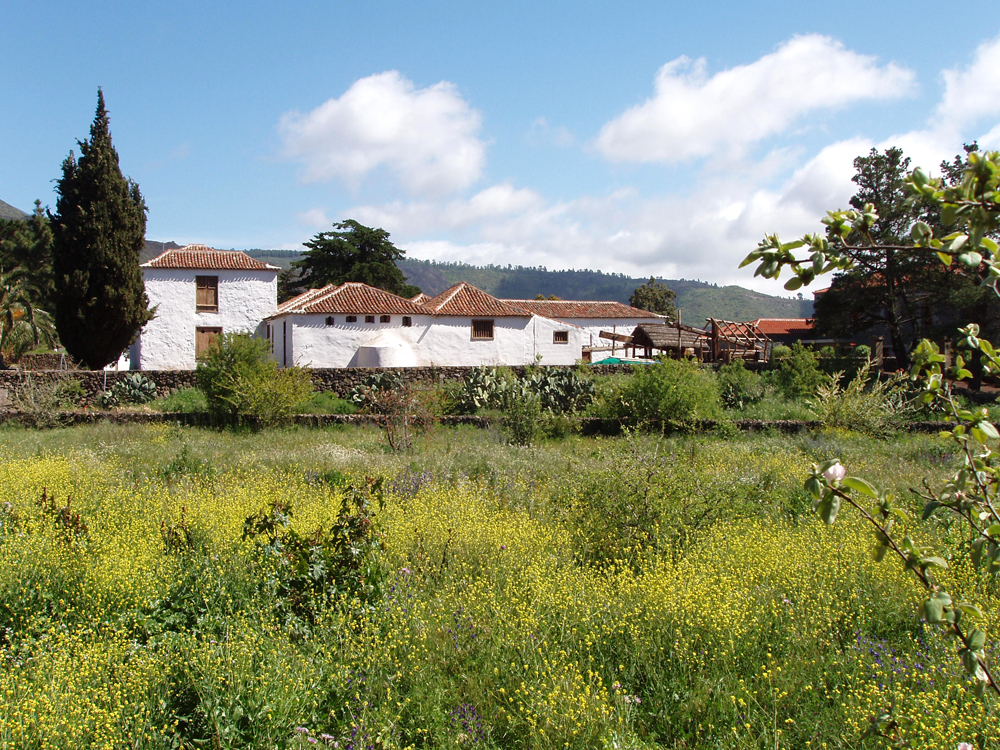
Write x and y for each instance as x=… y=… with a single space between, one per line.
x=783 y=326
x=352 y=298
x=464 y=299
x=560 y=309
x=202 y=257
x=420 y=299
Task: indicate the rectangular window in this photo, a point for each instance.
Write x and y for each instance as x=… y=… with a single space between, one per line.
x=482 y=330
x=203 y=338
x=407 y=321
x=369 y=319
x=560 y=337
x=207 y=295
x=351 y=318
x=330 y=320
x=385 y=319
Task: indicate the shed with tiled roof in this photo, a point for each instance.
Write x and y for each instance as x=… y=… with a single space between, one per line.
x=204 y=258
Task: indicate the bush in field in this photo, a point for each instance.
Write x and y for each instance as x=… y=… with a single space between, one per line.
x=738 y=387
x=798 y=375
x=187 y=400
x=521 y=413
x=561 y=390
x=867 y=404
x=365 y=395
x=132 y=390
x=674 y=393
x=243 y=385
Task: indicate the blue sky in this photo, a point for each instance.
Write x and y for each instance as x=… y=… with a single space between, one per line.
x=644 y=138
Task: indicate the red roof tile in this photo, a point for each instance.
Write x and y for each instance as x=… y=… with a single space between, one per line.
x=201 y=257
x=561 y=309
x=464 y=299
x=783 y=326
x=352 y=298
x=420 y=298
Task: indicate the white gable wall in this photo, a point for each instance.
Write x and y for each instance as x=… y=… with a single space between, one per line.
x=308 y=341
x=168 y=341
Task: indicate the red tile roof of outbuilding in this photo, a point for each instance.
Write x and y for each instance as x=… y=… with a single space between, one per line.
x=783 y=326
x=202 y=257
x=351 y=298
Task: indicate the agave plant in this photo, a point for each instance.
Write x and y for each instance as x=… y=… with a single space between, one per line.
x=22 y=325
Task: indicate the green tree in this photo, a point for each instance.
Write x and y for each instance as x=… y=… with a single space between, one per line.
x=891 y=284
x=656 y=297
x=99 y=229
x=22 y=324
x=353 y=252
x=27 y=245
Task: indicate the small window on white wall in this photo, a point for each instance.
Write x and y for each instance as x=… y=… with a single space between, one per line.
x=407 y=321
x=560 y=337
x=330 y=320
x=482 y=330
x=351 y=319
x=385 y=319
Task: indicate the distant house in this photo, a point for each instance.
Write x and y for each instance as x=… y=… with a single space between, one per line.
x=355 y=325
x=786 y=331
x=199 y=293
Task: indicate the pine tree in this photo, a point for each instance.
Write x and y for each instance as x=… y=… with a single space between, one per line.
x=99 y=229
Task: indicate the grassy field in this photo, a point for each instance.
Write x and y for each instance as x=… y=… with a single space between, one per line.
x=179 y=587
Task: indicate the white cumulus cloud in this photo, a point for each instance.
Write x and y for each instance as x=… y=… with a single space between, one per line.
x=692 y=114
x=427 y=138
x=974 y=91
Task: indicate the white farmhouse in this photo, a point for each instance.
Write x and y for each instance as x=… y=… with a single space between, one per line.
x=592 y=317
x=354 y=325
x=199 y=293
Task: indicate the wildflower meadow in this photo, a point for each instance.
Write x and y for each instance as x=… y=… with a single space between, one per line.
x=168 y=587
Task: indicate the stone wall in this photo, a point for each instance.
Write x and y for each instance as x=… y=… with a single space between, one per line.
x=337 y=381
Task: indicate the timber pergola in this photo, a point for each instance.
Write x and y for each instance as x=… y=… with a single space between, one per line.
x=719 y=341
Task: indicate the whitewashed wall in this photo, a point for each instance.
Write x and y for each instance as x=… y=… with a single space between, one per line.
x=168 y=341
x=313 y=343
x=307 y=341
x=592 y=327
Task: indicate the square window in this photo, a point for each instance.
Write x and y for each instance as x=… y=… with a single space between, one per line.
x=369 y=319
x=385 y=319
x=482 y=330
x=330 y=320
x=407 y=321
x=560 y=337
x=351 y=319
x=207 y=294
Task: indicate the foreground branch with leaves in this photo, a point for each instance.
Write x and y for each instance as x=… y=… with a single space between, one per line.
x=973 y=492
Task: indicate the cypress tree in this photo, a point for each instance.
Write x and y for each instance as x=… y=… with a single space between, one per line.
x=99 y=229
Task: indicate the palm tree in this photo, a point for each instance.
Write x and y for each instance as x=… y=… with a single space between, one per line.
x=22 y=325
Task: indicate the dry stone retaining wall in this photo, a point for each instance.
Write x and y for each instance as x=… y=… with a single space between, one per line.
x=337 y=381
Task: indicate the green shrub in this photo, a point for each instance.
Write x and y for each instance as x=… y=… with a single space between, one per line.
x=780 y=352
x=738 y=387
x=134 y=389
x=862 y=352
x=798 y=375
x=521 y=412
x=326 y=403
x=187 y=400
x=828 y=352
x=866 y=404
x=561 y=391
x=674 y=393
x=243 y=385
x=366 y=394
